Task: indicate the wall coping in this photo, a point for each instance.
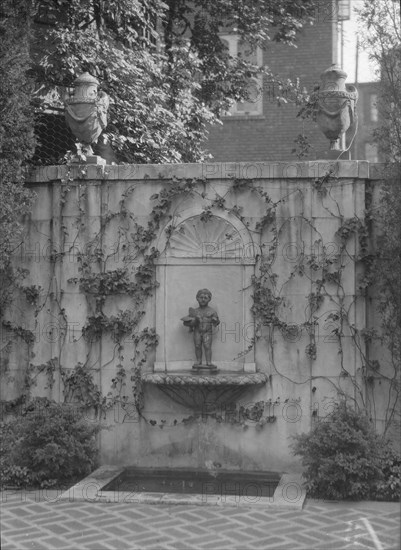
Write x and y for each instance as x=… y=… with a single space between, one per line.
x=361 y=169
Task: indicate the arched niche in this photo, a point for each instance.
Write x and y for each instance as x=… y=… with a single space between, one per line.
x=205 y=251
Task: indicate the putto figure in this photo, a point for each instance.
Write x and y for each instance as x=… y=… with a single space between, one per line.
x=201 y=321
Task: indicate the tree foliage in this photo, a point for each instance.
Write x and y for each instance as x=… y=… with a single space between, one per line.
x=163 y=64
x=381 y=37
x=382 y=40
x=16 y=133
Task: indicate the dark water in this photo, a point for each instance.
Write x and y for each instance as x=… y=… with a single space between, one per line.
x=246 y=484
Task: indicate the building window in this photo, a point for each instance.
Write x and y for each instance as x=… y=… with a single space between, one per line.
x=238 y=48
x=371 y=152
x=374 y=115
x=344 y=10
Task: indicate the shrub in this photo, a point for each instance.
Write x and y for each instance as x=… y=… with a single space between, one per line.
x=46 y=445
x=345 y=459
x=389 y=488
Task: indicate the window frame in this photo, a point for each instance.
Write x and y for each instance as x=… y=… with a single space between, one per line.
x=233 y=40
x=371 y=152
x=373 y=111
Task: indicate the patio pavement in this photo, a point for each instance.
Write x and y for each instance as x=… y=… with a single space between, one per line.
x=37 y=521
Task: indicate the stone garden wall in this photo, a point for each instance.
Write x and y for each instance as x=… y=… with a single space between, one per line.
x=115 y=256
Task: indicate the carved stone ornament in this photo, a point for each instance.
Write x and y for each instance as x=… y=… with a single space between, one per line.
x=335 y=105
x=204 y=251
x=215 y=239
x=196 y=391
x=86 y=111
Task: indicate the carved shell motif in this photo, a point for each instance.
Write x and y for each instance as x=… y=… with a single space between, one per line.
x=214 y=238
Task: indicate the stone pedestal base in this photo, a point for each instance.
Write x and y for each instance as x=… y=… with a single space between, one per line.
x=188 y=366
x=205 y=369
x=90 y=159
x=333 y=154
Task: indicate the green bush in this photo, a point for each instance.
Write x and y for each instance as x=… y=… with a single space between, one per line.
x=48 y=444
x=389 y=488
x=345 y=459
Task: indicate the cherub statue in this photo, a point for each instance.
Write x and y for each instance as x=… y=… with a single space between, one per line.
x=201 y=322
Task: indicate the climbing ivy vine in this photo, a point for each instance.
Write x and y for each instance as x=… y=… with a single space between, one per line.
x=135 y=252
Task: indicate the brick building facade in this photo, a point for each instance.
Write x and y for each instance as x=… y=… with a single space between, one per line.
x=269 y=134
x=259 y=130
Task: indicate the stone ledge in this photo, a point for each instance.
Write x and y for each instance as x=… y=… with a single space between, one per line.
x=181 y=379
x=213 y=171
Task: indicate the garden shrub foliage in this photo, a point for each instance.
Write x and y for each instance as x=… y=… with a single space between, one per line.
x=47 y=445
x=344 y=458
x=389 y=487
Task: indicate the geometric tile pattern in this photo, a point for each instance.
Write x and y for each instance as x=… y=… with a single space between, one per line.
x=36 y=521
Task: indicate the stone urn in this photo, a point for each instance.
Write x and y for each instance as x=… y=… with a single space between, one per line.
x=335 y=105
x=86 y=111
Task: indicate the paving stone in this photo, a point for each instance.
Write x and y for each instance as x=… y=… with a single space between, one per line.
x=55 y=542
x=159 y=523
x=97 y=546
x=120 y=532
x=208 y=523
x=306 y=539
x=22 y=512
x=88 y=531
x=388 y=541
x=11 y=501
x=176 y=533
x=202 y=513
x=218 y=545
x=179 y=545
x=275 y=543
x=158 y=542
x=197 y=530
x=342 y=514
x=259 y=516
x=58 y=529
x=130 y=513
x=256 y=533
x=7 y=545
x=379 y=523
x=99 y=526
x=38 y=509
x=16 y=523
x=142 y=529
x=189 y=516
x=307 y=521
x=93 y=538
x=74 y=525
x=241 y=536
x=31 y=531
x=230 y=527
x=139 y=538
x=393 y=515
x=49 y=520
x=75 y=512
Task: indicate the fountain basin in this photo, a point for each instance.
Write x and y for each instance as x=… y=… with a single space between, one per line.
x=191 y=481
x=220 y=488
